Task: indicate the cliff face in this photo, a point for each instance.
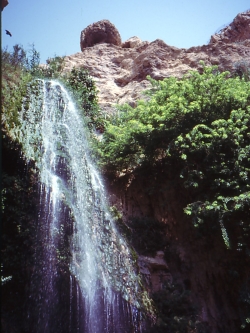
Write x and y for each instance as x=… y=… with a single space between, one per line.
x=120 y=70
x=200 y=263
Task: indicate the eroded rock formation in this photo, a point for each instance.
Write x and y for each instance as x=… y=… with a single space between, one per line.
x=120 y=69
x=237 y=31
x=203 y=267
x=100 y=32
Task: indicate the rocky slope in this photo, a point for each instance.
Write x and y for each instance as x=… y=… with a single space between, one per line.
x=120 y=69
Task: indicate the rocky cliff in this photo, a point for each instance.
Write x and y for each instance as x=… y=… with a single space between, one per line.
x=120 y=69
x=202 y=266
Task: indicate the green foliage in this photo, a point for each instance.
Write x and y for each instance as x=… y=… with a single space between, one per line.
x=145 y=134
x=15 y=77
x=18 y=224
x=217 y=157
x=54 y=67
x=147 y=235
x=175 y=312
x=244 y=303
x=200 y=124
x=83 y=88
x=52 y=70
x=33 y=61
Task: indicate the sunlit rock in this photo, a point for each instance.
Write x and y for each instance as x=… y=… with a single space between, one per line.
x=120 y=70
x=100 y=32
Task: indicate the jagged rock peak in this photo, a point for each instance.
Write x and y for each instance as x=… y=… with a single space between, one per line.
x=120 y=69
x=100 y=32
x=237 y=31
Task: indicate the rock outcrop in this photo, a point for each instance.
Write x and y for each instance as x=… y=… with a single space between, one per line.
x=120 y=69
x=100 y=32
x=202 y=267
x=237 y=31
x=154 y=271
x=4 y=3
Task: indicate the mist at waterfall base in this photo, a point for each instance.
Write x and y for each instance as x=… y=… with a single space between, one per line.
x=84 y=278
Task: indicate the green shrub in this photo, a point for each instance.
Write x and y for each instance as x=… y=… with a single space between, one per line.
x=82 y=85
x=146 y=133
x=175 y=312
x=147 y=235
x=15 y=77
x=200 y=124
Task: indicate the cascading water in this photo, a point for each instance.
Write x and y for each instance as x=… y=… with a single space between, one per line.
x=97 y=290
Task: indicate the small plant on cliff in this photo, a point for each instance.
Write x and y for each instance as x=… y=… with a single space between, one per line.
x=84 y=91
x=175 y=311
x=147 y=235
x=54 y=67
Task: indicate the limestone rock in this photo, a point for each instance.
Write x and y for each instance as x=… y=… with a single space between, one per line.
x=237 y=31
x=133 y=42
x=120 y=70
x=100 y=32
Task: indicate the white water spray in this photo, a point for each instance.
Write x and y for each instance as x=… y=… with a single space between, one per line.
x=108 y=288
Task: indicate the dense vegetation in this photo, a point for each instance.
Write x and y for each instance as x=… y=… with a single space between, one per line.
x=201 y=125
x=199 y=128
x=198 y=125
x=23 y=243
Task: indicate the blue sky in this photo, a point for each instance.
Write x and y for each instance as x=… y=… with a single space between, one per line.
x=54 y=26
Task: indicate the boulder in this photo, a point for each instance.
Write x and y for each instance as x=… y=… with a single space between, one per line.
x=132 y=42
x=100 y=32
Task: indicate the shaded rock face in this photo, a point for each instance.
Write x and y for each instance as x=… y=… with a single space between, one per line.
x=4 y=3
x=201 y=265
x=154 y=271
x=120 y=70
x=100 y=32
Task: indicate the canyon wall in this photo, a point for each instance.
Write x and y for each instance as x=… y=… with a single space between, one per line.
x=120 y=69
x=200 y=263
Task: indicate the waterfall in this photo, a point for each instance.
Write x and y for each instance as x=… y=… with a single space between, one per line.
x=84 y=277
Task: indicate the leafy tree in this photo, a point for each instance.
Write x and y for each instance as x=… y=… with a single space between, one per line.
x=176 y=312
x=201 y=123
x=84 y=91
x=146 y=133
x=217 y=162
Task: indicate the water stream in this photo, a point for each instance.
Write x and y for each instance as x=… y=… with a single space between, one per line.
x=84 y=278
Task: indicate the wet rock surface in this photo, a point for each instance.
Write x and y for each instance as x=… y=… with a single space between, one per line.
x=155 y=271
